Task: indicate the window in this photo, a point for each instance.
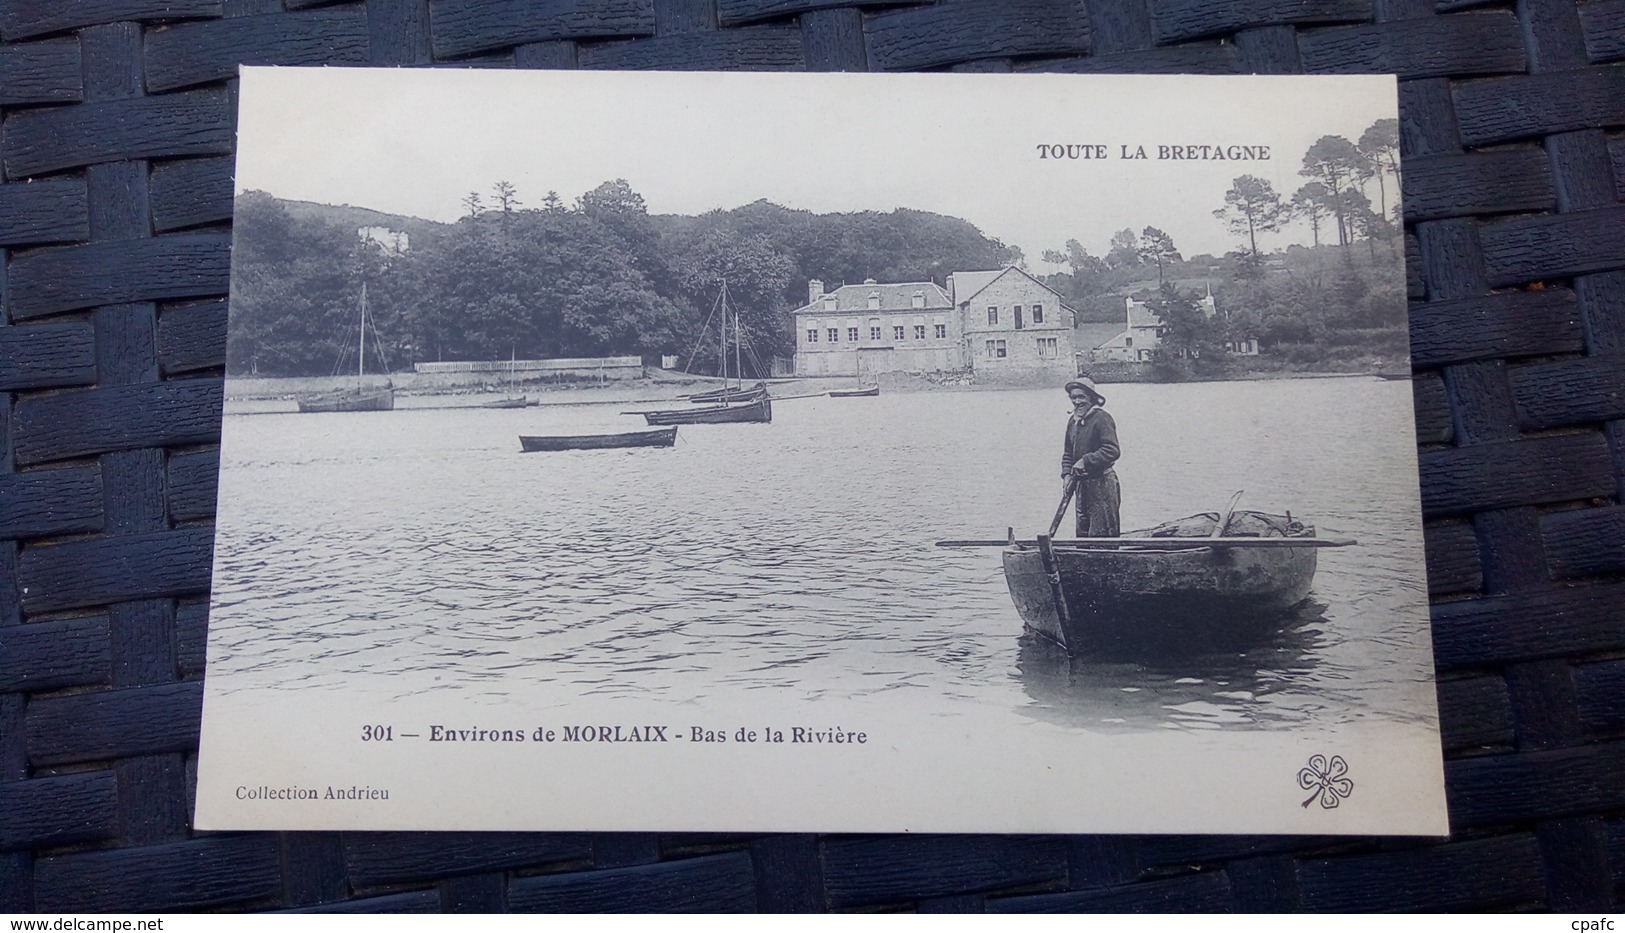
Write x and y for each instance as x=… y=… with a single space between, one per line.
x=812 y=335
x=919 y=331
x=1017 y=311
x=1038 y=314
x=874 y=331
x=874 y=301
x=852 y=334
x=897 y=332
x=1128 y=341
x=995 y=349
x=834 y=335
x=993 y=315
x=942 y=331
x=1048 y=348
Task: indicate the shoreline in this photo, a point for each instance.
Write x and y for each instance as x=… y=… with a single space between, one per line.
x=669 y=388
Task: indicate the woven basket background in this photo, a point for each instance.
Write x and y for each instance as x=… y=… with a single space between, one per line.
x=115 y=213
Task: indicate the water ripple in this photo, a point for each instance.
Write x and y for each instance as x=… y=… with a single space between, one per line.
x=422 y=550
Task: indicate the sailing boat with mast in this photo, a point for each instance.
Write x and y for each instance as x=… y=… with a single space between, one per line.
x=511 y=400
x=359 y=397
x=733 y=404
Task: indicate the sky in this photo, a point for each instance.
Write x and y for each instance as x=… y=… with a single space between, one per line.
x=417 y=141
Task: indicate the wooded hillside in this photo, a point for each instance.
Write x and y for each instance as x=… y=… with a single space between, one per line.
x=600 y=277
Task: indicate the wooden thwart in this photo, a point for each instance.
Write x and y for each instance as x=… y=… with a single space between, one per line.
x=1158 y=543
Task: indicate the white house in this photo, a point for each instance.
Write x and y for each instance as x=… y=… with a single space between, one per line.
x=393 y=241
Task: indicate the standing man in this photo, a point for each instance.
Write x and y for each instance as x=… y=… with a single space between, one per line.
x=1091 y=449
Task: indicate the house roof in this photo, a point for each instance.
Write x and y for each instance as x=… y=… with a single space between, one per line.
x=967 y=285
x=899 y=296
x=1120 y=341
x=1141 y=316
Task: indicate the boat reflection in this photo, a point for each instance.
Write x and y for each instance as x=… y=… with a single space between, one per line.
x=1250 y=686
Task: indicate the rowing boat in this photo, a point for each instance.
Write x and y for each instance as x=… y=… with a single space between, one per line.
x=855 y=393
x=1165 y=588
x=663 y=437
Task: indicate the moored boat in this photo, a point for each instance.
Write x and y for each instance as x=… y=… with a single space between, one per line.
x=729 y=395
x=359 y=397
x=865 y=392
x=514 y=402
x=532 y=443
x=1167 y=588
x=758 y=411
x=377 y=398
x=512 y=399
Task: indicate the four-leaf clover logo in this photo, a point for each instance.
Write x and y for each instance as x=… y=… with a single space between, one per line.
x=1326 y=779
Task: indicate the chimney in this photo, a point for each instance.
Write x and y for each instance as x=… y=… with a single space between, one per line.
x=815 y=290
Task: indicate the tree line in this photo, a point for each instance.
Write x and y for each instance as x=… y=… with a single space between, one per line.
x=1300 y=302
x=597 y=277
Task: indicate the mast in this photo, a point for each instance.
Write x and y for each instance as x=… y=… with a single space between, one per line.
x=739 y=338
x=723 y=347
x=361 y=353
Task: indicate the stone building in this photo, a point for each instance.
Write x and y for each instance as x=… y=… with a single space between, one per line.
x=997 y=321
x=1142 y=338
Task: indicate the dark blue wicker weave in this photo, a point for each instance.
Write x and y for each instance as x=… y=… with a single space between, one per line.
x=114 y=227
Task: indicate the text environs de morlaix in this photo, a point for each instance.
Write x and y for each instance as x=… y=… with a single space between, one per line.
x=617 y=734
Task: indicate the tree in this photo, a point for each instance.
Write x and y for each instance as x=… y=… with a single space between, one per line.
x=506 y=196
x=1362 y=219
x=1124 y=251
x=1158 y=247
x=620 y=209
x=295 y=291
x=472 y=204
x=551 y=203
x=1251 y=206
x=1379 y=145
x=1186 y=330
x=1312 y=202
x=1336 y=163
x=757 y=275
x=612 y=199
x=1087 y=274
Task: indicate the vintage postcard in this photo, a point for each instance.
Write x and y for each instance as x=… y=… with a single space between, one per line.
x=835 y=452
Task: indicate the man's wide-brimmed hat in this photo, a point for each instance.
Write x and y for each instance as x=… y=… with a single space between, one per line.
x=1087 y=385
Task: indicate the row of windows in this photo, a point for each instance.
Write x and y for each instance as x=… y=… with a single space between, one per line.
x=1015 y=312
x=898 y=332
x=1048 y=348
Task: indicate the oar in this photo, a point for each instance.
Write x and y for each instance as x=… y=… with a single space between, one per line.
x=1158 y=544
x=1224 y=520
x=1067 y=492
x=1052 y=572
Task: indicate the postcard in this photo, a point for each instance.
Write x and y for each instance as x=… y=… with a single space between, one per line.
x=818 y=452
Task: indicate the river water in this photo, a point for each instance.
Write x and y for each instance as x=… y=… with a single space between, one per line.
x=420 y=553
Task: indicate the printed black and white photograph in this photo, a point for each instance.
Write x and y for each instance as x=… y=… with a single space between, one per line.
x=818 y=452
